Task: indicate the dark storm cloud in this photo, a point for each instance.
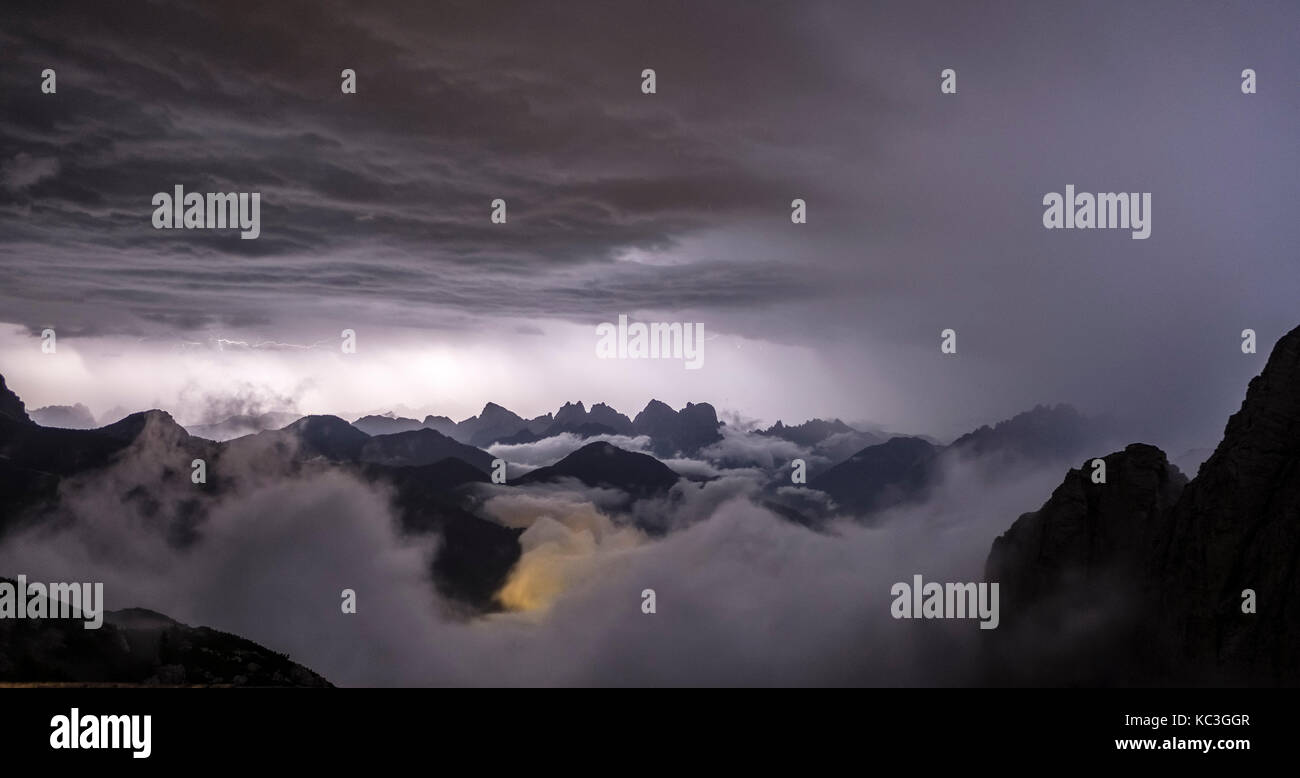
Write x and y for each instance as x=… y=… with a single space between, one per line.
x=458 y=104
x=924 y=210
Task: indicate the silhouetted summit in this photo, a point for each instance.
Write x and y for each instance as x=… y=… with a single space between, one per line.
x=810 y=433
x=1153 y=575
x=421 y=447
x=673 y=432
x=906 y=469
x=898 y=471
x=603 y=464
x=1047 y=432
x=1087 y=531
x=329 y=437
x=600 y=420
x=386 y=424
x=492 y=424
x=1236 y=527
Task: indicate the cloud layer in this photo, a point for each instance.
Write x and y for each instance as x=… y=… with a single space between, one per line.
x=743 y=596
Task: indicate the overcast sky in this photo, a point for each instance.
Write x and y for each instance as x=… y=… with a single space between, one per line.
x=924 y=209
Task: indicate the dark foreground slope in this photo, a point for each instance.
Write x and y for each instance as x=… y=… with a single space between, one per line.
x=136 y=646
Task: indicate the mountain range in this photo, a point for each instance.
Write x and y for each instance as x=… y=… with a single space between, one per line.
x=433 y=474
x=1137 y=579
x=905 y=470
x=673 y=432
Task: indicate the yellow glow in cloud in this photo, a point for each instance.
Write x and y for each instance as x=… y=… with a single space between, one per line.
x=561 y=553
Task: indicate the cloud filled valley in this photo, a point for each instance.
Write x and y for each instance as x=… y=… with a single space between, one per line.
x=461 y=580
x=747 y=587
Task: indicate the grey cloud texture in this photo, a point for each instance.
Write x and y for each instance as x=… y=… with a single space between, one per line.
x=924 y=210
x=743 y=597
x=554 y=448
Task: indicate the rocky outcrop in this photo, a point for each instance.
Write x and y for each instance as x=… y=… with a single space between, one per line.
x=1087 y=531
x=1161 y=570
x=1237 y=527
x=678 y=432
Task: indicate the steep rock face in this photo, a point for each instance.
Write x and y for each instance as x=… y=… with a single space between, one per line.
x=673 y=432
x=1237 y=527
x=1166 y=565
x=1087 y=530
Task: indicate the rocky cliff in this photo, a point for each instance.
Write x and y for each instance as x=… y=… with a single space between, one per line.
x=1147 y=578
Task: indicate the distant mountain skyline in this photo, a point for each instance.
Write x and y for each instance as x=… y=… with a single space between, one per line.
x=1145 y=539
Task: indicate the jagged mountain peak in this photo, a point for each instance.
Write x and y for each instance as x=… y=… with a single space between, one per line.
x=328 y=436
x=604 y=464
x=493 y=409
x=133 y=424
